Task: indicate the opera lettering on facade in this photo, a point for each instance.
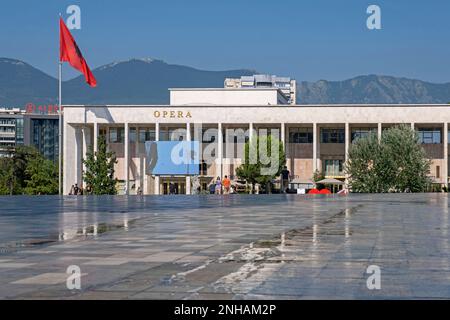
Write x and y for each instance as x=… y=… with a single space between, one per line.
x=172 y=114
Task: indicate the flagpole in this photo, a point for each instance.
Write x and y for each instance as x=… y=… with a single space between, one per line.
x=60 y=123
x=60 y=130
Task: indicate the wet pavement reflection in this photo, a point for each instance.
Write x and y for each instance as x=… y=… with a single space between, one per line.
x=225 y=247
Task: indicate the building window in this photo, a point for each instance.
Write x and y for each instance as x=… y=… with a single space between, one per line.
x=203 y=166
x=300 y=135
x=177 y=134
x=45 y=137
x=147 y=134
x=429 y=135
x=7 y=129
x=333 y=168
x=19 y=131
x=438 y=172
x=358 y=133
x=209 y=135
x=237 y=135
x=7 y=121
x=328 y=135
x=132 y=135
x=172 y=134
x=116 y=135
x=269 y=132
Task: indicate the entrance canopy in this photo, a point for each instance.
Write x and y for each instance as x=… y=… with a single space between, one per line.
x=331 y=181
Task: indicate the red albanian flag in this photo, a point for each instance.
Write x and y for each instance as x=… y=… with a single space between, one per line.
x=69 y=51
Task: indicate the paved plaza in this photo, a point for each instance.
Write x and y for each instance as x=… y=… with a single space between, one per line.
x=225 y=247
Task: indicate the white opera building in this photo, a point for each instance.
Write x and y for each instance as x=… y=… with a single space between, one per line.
x=220 y=121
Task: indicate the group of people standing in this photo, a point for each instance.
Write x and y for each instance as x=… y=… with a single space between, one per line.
x=78 y=191
x=221 y=186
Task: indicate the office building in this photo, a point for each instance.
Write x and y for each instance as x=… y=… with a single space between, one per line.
x=20 y=127
x=11 y=129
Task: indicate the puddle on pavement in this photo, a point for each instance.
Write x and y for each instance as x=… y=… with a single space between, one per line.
x=75 y=234
x=263 y=256
x=266 y=256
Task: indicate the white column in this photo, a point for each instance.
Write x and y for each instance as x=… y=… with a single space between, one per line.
x=78 y=156
x=143 y=165
x=127 y=158
x=347 y=140
x=69 y=157
x=95 y=136
x=314 y=147
x=156 y=177
x=380 y=131
x=107 y=138
x=445 y=166
x=412 y=126
x=250 y=132
x=137 y=156
x=219 y=150
x=188 y=178
x=283 y=136
x=86 y=131
x=347 y=146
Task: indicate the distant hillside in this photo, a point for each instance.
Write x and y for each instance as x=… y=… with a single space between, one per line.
x=373 y=89
x=20 y=83
x=145 y=81
x=142 y=81
x=137 y=81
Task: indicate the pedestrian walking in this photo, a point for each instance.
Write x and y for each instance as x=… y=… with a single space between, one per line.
x=218 y=186
x=226 y=185
x=284 y=179
x=172 y=188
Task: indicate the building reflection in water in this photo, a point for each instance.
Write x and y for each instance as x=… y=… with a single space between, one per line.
x=444 y=231
x=347 y=223
x=73 y=224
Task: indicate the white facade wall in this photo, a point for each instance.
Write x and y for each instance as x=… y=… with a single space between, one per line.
x=225 y=97
x=331 y=114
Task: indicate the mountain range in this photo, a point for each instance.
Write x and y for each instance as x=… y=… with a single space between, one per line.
x=145 y=81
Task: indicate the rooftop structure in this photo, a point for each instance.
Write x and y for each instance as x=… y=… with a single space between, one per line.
x=287 y=85
x=227 y=97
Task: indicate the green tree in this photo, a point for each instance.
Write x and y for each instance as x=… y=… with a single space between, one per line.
x=43 y=177
x=262 y=167
x=8 y=181
x=25 y=170
x=396 y=163
x=99 y=174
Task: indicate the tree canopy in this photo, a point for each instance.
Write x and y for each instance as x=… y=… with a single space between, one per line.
x=260 y=165
x=26 y=171
x=396 y=163
x=99 y=173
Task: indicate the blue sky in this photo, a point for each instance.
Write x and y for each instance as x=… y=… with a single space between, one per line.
x=308 y=40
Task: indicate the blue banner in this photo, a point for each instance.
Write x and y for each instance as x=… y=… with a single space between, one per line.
x=172 y=157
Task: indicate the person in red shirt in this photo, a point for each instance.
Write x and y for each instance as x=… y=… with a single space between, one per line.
x=226 y=185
